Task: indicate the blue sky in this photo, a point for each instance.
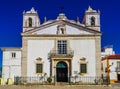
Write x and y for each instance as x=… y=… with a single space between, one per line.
x=11 y=18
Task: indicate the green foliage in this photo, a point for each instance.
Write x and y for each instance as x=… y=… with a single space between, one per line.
x=80 y=73
x=49 y=79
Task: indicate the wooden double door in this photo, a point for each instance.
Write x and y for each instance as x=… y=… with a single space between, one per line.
x=62 y=72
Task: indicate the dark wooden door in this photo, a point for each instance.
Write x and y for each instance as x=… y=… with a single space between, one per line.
x=62 y=75
x=62 y=72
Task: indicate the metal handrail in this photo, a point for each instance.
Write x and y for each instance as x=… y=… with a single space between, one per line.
x=61 y=53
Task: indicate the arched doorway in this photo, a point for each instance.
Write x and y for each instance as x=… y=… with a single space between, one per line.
x=62 y=72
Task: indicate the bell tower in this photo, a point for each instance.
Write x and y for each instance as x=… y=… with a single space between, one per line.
x=30 y=20
x=92 y=19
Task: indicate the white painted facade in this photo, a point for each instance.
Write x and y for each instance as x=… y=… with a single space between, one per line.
x=111 y=67
x=113 y=72
x=87 y=19
x=32 y=14
x=79 y=44
x=52 y=30
x=11 y=65
x=106 y=51
x=34 y=53
x=38 y=48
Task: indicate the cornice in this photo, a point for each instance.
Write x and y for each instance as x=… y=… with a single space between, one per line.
x=29 y=14
x=95 y=13
x=92 y=26
x=60 y=35
x=57 y=22
x=11 y=49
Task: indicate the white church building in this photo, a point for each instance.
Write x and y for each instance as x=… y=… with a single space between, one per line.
x=60 y=47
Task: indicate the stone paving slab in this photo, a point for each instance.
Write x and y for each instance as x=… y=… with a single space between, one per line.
x=57 y=87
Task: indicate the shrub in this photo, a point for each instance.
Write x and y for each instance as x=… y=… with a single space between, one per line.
x=49 y=79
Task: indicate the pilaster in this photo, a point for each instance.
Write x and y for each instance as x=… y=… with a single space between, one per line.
x=98 y=55
x=24 y=57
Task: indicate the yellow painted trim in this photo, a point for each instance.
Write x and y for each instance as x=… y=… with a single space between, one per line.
x=10 y=81
x=113 y=81
x=108 y=68
x=2 y=82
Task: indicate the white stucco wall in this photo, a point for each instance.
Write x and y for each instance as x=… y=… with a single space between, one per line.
x=11 y=66
x=73 y=30
x=38 y=48
x=113 y=73
x=69 y=30
x=35 y=20
x=104 y=63
x=97 y=19
x=112 y=67
x=83 y=48
x=107 y=51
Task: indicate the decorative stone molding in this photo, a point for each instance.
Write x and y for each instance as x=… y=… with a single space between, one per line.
x=61 y=29
x=39 y=59
x=83 y=59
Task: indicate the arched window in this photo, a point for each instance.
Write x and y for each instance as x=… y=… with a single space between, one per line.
x=92 y=21
x=62 y=31
x=30 y=22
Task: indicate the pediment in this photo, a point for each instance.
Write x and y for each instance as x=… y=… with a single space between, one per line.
x=61 y=27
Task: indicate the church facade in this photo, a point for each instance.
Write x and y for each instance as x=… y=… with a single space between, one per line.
x=59 y=47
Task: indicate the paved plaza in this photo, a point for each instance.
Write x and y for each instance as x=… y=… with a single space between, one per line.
x=60 y=87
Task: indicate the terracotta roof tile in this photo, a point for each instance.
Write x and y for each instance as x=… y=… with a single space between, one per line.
x=112 y=57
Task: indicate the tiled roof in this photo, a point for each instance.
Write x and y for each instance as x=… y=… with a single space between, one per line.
x=112 y=57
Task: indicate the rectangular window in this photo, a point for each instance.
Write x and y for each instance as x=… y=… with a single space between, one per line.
x=118 y=66
x=83 y=68
x=13 y=55
x=39 y=68
x=62 y=47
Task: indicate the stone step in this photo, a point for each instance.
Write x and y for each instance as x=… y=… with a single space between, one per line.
x=62 y=83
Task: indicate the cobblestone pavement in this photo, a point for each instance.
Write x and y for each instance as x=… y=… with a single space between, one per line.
x=115 y=84
x=58 y=87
